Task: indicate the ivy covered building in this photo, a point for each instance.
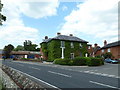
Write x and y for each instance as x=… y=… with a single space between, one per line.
x=63 y=46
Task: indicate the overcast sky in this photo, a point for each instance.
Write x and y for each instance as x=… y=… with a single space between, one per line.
x=90 y=20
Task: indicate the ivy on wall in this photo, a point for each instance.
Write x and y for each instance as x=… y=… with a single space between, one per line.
x=52 y=49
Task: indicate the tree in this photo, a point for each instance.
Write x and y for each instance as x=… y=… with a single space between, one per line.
x=107 y=55
x=28 y=46
x=19 y=48
x=2 y=17
x=7 y=50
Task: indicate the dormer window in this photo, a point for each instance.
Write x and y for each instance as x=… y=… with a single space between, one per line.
x=62 y=43
x=72 y=45
x=80 y=45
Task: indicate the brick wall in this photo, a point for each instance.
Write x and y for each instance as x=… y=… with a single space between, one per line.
x=114 y=50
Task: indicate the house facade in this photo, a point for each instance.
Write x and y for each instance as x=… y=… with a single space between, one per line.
x=114 y=48
x=63 y=46
x=25 y=54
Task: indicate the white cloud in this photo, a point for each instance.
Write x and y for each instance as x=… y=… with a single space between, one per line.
x=13 y=30
x=94 y=17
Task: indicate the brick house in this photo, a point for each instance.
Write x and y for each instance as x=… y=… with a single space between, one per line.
x=114 y=48
x=93 y=51
x=63 y=46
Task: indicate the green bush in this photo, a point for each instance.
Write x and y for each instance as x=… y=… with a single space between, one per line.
x=80 y=61
x=93 y=61
x=63 y=61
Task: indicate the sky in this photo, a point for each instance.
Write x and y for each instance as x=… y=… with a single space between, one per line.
x=90 y=20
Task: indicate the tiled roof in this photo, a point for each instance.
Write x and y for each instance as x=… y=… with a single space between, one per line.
x=64 y=37
x=96 y=49
x=117 y=43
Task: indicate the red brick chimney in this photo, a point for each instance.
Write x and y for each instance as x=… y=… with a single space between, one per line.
x=58 y=33
x=105 y=43
x=95 y=45
x=46 y=37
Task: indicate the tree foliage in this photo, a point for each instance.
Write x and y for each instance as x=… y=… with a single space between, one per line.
x=19 y=48
x=107 y=55
x=7 y=50
x=28 y=46
x=2 y=17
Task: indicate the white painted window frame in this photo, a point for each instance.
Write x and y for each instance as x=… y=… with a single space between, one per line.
x=72 y=45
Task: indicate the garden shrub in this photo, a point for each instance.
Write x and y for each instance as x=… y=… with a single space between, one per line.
x=93 y=61
x=79 y=61
x=62 y=61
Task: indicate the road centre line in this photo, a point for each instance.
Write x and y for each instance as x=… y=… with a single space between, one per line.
x=36 y=79
x=60 y=74
x=103 y=84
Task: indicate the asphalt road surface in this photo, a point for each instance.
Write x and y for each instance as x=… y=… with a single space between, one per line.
x=54 y=77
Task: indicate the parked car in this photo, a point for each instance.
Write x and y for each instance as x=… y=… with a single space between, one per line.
x=108 y=60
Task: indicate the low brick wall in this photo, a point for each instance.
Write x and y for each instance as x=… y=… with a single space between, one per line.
x=21 y=80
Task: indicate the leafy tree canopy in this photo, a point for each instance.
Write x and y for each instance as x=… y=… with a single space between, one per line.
x=2 y=17
x=28 y=46
x=7 y=50
x=19 y=48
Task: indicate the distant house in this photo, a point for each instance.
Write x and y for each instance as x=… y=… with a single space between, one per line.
x=93 y=51
x=25 y=54
x=1 y=53
x=114 y=48
x=63 y=46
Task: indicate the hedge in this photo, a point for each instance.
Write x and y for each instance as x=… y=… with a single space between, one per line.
x=63 y=61
x=93 y=61
x=80 y=61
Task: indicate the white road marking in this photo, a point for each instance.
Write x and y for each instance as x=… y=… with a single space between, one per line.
x=35 y=68
x=59 y=74
x=20 y=64
x=111 y=75
x=36 y=79
x=103 y=84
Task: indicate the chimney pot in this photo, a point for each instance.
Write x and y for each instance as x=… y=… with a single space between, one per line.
x=58 y=33
x=71 y=34
x=105 y=43
x=46 y=37
x=95 y=45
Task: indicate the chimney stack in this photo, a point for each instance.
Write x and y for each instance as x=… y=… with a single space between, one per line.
x=58 y=33
x=71 y=34
x=95 y=45
x=105 y=43
x=46 y=37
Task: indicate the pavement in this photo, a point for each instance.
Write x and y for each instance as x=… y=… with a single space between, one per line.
x=59 y=76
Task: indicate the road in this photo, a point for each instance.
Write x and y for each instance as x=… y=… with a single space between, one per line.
x=57 y=77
